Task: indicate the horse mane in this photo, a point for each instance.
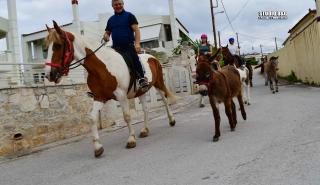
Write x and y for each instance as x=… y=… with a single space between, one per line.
x=53 y=36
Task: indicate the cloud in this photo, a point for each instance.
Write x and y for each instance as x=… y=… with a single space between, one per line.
x=194 y=14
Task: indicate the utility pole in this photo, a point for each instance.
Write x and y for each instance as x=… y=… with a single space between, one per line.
x=275 y=40
x=213 y=23
x=219 y=39
x=318 y=9
x=238 y=42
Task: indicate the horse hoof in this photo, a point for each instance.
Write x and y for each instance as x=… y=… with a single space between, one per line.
x=273 y=92
x=144 y=134
x=173 y=123
x=233 y=129
x=277 y=90
x=131 y=145
x=99 y=152
x=201 y=106
x=215 y=139
x=249 y=103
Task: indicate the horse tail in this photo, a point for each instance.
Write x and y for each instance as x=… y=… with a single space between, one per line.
x=159 y=84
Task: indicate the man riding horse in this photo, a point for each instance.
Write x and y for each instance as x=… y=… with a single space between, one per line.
x=125 y=32
x=235 y=51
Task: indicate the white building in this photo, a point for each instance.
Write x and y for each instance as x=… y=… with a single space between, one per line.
x=156 y=34
x=10 y=74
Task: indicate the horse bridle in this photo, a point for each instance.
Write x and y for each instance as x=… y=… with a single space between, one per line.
x=67 y=57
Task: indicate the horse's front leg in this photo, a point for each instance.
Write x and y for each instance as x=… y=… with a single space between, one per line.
x=145 y=131
x=216 y=116
x=98 y=148
x=124 y=103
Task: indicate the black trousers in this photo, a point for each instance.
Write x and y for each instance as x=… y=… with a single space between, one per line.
x=131 y=52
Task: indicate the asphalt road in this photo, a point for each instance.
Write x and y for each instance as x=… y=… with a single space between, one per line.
x=279 y=144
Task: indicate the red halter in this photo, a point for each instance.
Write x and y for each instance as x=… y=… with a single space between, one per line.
x=67 y=56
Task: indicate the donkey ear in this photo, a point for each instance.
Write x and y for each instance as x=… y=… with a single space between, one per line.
x=57 y=28
x=48 y=29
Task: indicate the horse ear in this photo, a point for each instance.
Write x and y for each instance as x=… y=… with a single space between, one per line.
x=57 y=28
x=48 y=29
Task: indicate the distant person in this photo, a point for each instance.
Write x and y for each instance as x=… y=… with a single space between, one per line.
x=205 y=48
x=235 y=51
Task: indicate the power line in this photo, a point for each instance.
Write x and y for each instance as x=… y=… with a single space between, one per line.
x=225 y=11
x=242 y=8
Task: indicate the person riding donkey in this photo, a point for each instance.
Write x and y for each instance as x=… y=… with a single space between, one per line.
x=124 y=30
x=204 y=48
x=235 y=51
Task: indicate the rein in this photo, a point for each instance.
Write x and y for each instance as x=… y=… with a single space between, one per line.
x=78 y=61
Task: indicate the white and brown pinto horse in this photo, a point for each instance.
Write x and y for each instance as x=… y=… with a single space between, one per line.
x=244 y=71
x=108 y=78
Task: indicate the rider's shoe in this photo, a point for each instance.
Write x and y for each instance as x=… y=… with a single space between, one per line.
x=143 y=83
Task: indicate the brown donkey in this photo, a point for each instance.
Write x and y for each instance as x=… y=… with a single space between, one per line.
x=222 y=86
x=271 y=68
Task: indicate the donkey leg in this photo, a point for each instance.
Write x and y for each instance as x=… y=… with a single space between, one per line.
x=145 y=131
x=172 y=121
x=248 y=94
x=234 y=113
x=98 y=148
x=243 y=91
x=216 y=116
x=272 y=86
x=266 y=79
x=276 y=80
x=228 y=111
x=243 y=112
x=124 y=103
x=201 y=102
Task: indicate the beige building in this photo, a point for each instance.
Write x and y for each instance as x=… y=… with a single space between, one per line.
x=301 y=51
x=156 y=34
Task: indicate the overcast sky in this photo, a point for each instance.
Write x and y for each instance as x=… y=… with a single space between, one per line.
x=194 y=14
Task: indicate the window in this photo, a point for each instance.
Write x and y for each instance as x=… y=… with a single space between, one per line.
x=38 y=78
x=150 y=44
x=44 y=51
x=167 y=30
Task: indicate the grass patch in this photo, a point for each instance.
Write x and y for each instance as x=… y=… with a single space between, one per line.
x=291 y=78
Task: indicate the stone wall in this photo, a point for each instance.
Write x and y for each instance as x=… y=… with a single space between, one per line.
x=33 y=116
